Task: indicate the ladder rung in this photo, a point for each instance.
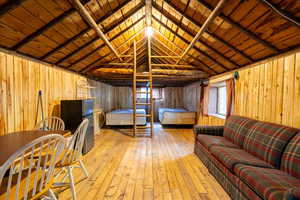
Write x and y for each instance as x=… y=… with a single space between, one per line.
x=143 y=127
x=144 y=75
x=143 y=103
x=142 y=80
x=143 y=135
x=143 y=115
x=140 y=92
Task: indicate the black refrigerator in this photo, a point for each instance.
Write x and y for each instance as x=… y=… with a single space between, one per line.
x=73 y=112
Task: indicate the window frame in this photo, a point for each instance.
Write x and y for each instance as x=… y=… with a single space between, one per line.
x=143 y=96
x=214 y=100
x=217 y=101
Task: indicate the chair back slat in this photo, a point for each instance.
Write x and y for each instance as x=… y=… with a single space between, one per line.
x=75 y=145
x=29 y=172
x=51 y=123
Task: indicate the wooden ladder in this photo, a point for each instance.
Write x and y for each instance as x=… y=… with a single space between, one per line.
x=145 y=77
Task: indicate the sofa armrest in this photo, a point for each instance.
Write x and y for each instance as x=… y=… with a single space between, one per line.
x=292 y=194
x=208 y=130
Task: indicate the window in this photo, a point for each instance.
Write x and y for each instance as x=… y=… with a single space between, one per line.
x=221 y=103
x=157 y=93
x=218 y=100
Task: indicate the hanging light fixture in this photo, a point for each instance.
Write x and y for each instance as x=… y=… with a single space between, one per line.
x=149 y=31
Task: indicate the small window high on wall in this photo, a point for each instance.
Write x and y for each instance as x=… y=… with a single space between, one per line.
x=157 y=93
x=217 y=100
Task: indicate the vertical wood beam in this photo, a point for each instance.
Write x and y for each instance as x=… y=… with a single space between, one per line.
x=203 y=28
x=134 y=88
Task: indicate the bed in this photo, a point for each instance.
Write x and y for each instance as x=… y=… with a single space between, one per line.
x=124 y=117
x=176 y=116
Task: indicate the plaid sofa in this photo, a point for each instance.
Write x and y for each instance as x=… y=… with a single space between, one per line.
x=252 y=159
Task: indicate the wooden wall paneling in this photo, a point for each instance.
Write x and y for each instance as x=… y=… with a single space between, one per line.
x=267 y=91
x=288 y=90
x=279 y=90
x=296 y=104
x=18 y=93
x=191 y=97
x=9 y=94
x=20 y=81
x=3 y=92
x=25 y=94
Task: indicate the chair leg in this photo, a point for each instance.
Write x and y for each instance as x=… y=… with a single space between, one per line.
x=72 y=184
x=83 y=168
x=52 y=195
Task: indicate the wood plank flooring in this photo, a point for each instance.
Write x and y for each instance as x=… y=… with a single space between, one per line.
x=165 y=167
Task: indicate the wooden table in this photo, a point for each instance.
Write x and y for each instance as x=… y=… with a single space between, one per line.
x=12 y=142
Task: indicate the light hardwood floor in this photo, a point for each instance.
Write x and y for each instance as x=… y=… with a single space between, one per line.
x=165 y=167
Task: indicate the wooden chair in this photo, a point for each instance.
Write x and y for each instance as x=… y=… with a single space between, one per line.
x=36 y=180
x=73 y=156
x=51 y=123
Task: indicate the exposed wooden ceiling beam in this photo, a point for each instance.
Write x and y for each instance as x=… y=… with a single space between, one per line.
x=103 y=45
x=148 y=12
x=86 y=15
x=125 y=71
x=91 y=66
x=96 y=38
x=191 y=34
x=10 y=5
x=86 y=30
x=188 y=42
x=46 y=27
x=203 y=28
x=199 y=61
x=241 y=28
x=214 y=36
x=282 y=13
x=162 y=54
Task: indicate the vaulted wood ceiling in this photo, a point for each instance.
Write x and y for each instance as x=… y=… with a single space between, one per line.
x=244 y=32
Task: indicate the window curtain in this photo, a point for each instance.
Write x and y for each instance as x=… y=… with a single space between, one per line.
x=204 y=100
x=230 y=96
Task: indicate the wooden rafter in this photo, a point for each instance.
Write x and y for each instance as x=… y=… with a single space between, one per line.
x=282 y=13
x=91 y=65
x=98 y=48
x=250 y=34
x=188 y=42
x=103 y=45
x=86 y=15
x=214 y=36
x=155 y=71
x=203 y=28
x=199 y=61
x=191 y=34
x=46 y=27
x=86 y=30
x=10 y=5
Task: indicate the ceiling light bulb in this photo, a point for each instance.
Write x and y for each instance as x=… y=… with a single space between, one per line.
x=149 y=31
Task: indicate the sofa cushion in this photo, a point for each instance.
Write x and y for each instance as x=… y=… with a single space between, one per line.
x=231 y=157
x=267 y=141
x=269 y=183
x=209 y=130
x=290 y=161
x=236 y=128
x=208 y=141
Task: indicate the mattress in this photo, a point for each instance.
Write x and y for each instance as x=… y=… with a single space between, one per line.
x=176 y=116
x=124 y=117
